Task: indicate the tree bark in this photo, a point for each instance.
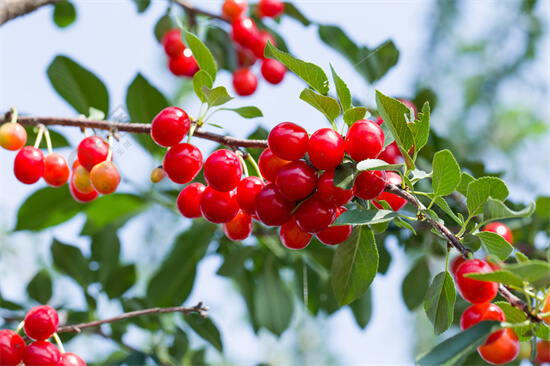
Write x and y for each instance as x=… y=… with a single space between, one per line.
x=10 y=9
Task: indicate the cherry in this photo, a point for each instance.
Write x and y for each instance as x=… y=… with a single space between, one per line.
x=218 y=207
x=270 y=165
x=91 y=151
x=81 y=180
x=378 y=120
x=500 y=229
x=330 y=193
x=396 y=203
x=170 y=126
x=157 y=175
x=56 y=170
x=272 y=208
x=475 y=291
x=41 y=322
x=182 y=163
x=315 y=215
x=270 y=8
x=543 y=351
x=370 y=184
x=41 y=353
x=273 y=71
x=244 y=82
x=173 y=45
x=184 y=64
x=239 y=228
x=456 y=263
x=232 y=9
x=288 y=141
x=293 y=237
x=244 y=31
x=105 y=177
x=247 y=190
x=335 y=234
x=326 y=149
x=70 y=359
x=12 y=348
x=223 y=170
x=28 y=166
x=297 y=180
x=81 y=197
x=189 y=199
x=479 y=312
x=364 y=140
x=391 y=154
x=245 y=57
x=12 y=136
x=503 y=350
x=258 y=44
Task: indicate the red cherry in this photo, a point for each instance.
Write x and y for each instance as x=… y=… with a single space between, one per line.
x=245 y=57
x=315 y=215
x=326 y=149
x=391 y=154
x=247 y=190
x=41 y=322
x=500 y=229
x=218 y=207
x=335 y=234
x=189 y=200
x=12 y=136
x=170 y=126
x=182 y=163
x=273 y=71
x=378 y=120
x=28 y=166
x=41 y=353
x=288 y=141
x=370 y=184
x=91 y=151
x=456 y=263
x=293 y=237
x=485 y=311
x=543 y=351
x=239 y=228
x=503 y=350
x=56 y=170
x=70 y=359
x=297 y=180
x=81 y=180
x=396 y=203
x=364 y=140
x=223 y=170
x=173 y=45
x=184 y=64
x=105 y=177
x=244 y=31
x=12 y=348
x=81 y=197
x=244 y=82
x=232 y=9
x=259 y=43
x=270 y=165
x=330 y=193
x=270 y=8
x=272 y=208
x=474 y=291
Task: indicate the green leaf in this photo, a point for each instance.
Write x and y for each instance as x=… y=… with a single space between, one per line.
x=202 y=54
x=354 y=265
x=326 y=105
x=440 y=302
x=388 y=135
x=216 y=96
x=113 y=209
x=354 y=114
x=442 y=204
x=293 y=12
x=495 y=244
x=205 y=328
x=220 y=44
x=536 y=272
x=497 y=210
x=513 y=315
x=164 y=24
x=180 y=345
x=522 y=258
x=105 y=250
x=144 y=101
x=481 y=189
x=310 y=73
x=245 y=112
x=446 y=173
x=465 y=180
x=70 y=261
x=200 y=79
x=142 y=5
x=64 y=14
x=421 y=127
x=501 y=276
x=416 y=284
x=120 y=280
x=234 y=264
x=40 y=287
x=78 y=86
x=471 y=242
x=344 y=95
x=376 y=164
x=344 y=175
x=418 y=174
x=393 y=112
x=362 y=309
x=364 y=217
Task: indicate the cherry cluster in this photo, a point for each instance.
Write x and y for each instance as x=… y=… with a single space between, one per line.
x=181 y=61
x=40 y=324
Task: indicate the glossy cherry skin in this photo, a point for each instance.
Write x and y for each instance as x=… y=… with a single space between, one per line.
x=475 y=291
x=232 y=9
x=485 y=311
x=543 y=351
x=273 y=71
x=258 y=44
x=247 y=190
x=70 y=359
x=315 y=215
x=297 y=180
x=244 y=82
x=173 y=45
x=184 y=65
x=41 y=322
x=105 y=177
x=244 y=31
x=326 y=149
x=218 y=207
x=91 y=151
x=396 y=203
x=503 y=350
x=41 y=353
x=500 y=229
x=56 y=170
x=12 y=136
x=12 y=348
x=391 y=154
x=330 y=193
x=364 y=140
x=370 y=184
x=189 y=199
x=182 y=163
x=170 y=126
x=270 y=8
x=288 y=141
x=270 y=165
x=456 y=263
x=28 y=166
x=272 y=208
x=223 y=170
x=293 y=237
x=239 y=228
x=335 y=234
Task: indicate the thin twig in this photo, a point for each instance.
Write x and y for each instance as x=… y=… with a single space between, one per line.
x=192 y=10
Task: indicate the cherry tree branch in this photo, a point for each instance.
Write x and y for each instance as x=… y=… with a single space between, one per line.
x=193 y=11
x=10 y=9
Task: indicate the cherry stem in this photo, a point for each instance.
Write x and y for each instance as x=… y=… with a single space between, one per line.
x=20 y=326
x=245 y=168
x=191 y=131
x=13 y=115
x=59 y=343
x=256 y=167
x=41 y=129
x=48 y=140
x=110 y=153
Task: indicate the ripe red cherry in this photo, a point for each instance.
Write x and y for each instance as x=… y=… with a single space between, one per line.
x=12 y=348
x=184 y=64
x=370 y=184
x=232 y=9
x=259 y=43
x=247 y=190
x=297 y=180
x=244 y=31
x=503 y=350
x=396 y=203
x=41 y=353
x=272 y=208
x=170 y=126
x=28 y=166
x=475 y=291
x=315 y=215
x=293 y=237
x=70 y=359
x=378 y=120
x=330 y=193
x=335 y=234
x=270 y=8
x=326 y=149
x=173 y=45
x=543 y=351
x=244 y=82
x=391 y=154
x=239 y=228
x=273 y=71
x=270 y=165
x=364 y=140
x=456 y=263
x=41 y=322
x=91 y=151
x=500 y=229
x=485 y=311
x=218 y=207
x=56 y=170
x=182 y=163
x=105 y=177
x=223 y=170
x=245 y=57
x=288 y=141
x=12 y=136
x=189 y=199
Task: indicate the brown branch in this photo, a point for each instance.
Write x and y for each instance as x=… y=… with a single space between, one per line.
x=10 y=9
x=193 y=11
